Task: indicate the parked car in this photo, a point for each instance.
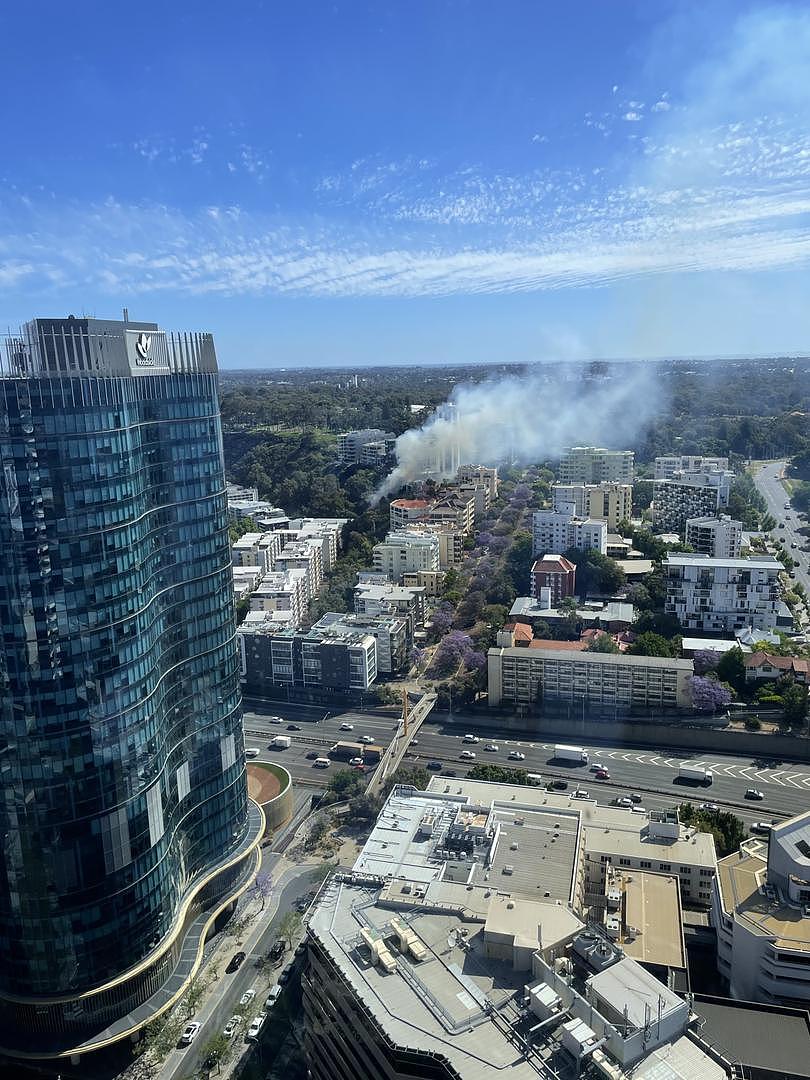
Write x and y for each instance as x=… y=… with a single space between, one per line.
x=346 y=726
x=492 y=747
x=247 y=997
x=580 y=793
x=367 y=738
x=277 y=950
x=229 y=1030
x=190 y=1033
x=272 y=997
x=255 y=1028
x=433 y=765
x=516 y=755
x=467 y=755
x=753 y=793
x=235 y=962
x=252 y=751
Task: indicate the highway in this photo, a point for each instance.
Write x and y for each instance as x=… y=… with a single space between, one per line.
x=768 y=483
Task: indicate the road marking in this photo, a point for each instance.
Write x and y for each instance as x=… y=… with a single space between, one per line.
x=790 y=779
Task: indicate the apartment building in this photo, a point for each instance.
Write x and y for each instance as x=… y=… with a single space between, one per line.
x=456 y=511
x=608 y=502
x=407 y=551
x=432 y=581
x=241 y=494
x=561 y=672
x=328 y=530
x=555 y=573
x=761 y=911
x=479 y=492
x=447 y=927
x=315 y=662
x=391 y=633
x=670 y=465
x=354 y=447
x=722 y=595
x=304 y=555
x=560 y=530
x=676 y=501
x=480 y=474
x=718 y=537
x=263 y=514
x=282 y=591
x=404 y=512
x=257 y=549
x=385 y=598
x=594 y=465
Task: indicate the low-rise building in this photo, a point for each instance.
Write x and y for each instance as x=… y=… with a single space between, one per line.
x=528 y=675
x=761 y=911
x=432 y=581
x=671 y=465
x=595 y=464
x=561 y=530
x=257 y=549
x=391 y=633
x=718 y=537
x=282 y=590
x=722 y=595
x=610 y=502
x=353 y=446
x=245 y=580
x=237 y=493
x=555 y=573
x=642 y=913
x=404 y=512
x=314 y=662
x=610 y=615
x=761 y=666
x=385 y=598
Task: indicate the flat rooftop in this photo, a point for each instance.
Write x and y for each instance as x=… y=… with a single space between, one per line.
x=760 y=1036
x=652 y=928
x=741 y=876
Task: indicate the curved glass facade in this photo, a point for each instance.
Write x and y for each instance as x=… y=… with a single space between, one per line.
x=121 y=750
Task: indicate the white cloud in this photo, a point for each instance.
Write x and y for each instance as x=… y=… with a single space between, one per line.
x=661 y=106
x=631 y=116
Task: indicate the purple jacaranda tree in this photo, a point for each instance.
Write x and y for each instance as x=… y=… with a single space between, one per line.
x=263 y=886
x=484 y=539
x=442 y=620
x=705 y=660
x=708 y=695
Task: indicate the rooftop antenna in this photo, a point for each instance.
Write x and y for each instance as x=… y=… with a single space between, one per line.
x=126 y=315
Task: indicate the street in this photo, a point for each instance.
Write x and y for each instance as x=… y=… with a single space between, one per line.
x=767 y=480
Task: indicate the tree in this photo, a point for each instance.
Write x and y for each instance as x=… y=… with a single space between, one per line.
x=289 y=927
x=708 y=695
x=346 y=784
x=794 y=704
x=727 y=829
x=518 y=561
x=498 y=774
x=705 y=660
x=406 y=776
x=731 y=668
x=263 y=886
x=603 y=643
x=651 y=644
x=215 y=1049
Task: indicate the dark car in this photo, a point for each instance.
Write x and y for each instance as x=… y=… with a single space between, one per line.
x=235 y=962
x=293 y=727
x=558 y=785
x=433 y=765
x=313 y=754
x=450 y=772
x=635 y=797
x=277 y=951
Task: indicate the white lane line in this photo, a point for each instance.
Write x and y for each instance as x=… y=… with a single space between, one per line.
x=746 y=772
x=671 y=764
x=763 y=779
x=796 y=776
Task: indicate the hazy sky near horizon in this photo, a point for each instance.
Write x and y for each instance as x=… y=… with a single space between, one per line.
x=433 y=181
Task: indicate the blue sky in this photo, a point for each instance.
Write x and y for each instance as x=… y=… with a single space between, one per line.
x=409 y=182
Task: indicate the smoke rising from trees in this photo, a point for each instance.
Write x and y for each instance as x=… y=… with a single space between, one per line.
x=522 y=420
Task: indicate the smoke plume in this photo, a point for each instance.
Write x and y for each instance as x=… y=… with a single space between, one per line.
x=523 y=420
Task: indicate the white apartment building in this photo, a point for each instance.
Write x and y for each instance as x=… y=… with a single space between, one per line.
x=676 y=501
x=527 y=675
x=722 y=595
x=257 y=549
x=351 y=444
x=282 y=590
x=384 y=598
x=407 y=552
x=237 y=493
x=328 y=530
x=560 y=530
x=479 y=492
x=607 y=502
x=595 y=464
x=718 y=537
x=456 y=511
x=669 y=465
x=404 y=512
x=304 y=555
x=389 y=631
x=761 y=911
x=480 y=474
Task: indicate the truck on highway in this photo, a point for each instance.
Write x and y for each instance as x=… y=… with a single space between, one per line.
x=577 y=754
x=345 y=751
x=281 y=742
x=697 y=774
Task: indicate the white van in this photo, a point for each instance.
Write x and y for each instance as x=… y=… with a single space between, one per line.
x=321 y=762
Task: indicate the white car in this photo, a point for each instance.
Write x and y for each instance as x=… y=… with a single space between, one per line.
x=580 y=793
x=624 y=802
x=468 y=755
x=247 y=997
x=356 y=761
x=254 y=1029
x=272 y=997
x=252 y=751
x=229 y=1030
x=190 y=1033
x=367 y=738
x=471 y=738
x=275 y=719
x=516 y=755
x=346 y=727
x=492 y=747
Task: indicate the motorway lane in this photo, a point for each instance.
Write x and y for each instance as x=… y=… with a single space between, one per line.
x=768 y=482
x=786 y=786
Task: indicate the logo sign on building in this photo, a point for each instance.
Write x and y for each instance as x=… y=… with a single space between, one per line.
x=143 y=350
x=146 y=350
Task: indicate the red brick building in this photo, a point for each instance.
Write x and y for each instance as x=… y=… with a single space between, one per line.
x=553 y=572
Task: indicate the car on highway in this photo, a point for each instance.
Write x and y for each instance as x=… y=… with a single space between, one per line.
x=557 y=785
x=709 y=807
x=367 y=738
x=247 y=997
x=345 y=726
x=275 y=719
x=623 y=801
x=272 y=997
x=229 y=1030
x=293 y=727
x=254 y=1029
x=190 y=1033
x=235 y=962
x=787 y=506
x=595 y=767
x=467 y=755
x=312 y=754
x=252 y=751
x=356 y=761
x=433 y=765
x=760 y=828
x=471 y=738
x=580 y=793
x=753 y=793
x=635 y=797
x=794 y=545
x=516 y=755
x=601 y=774
x=492 y=747
x=450 y=772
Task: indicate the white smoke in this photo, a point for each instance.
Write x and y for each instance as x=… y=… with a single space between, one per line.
x=523 y=420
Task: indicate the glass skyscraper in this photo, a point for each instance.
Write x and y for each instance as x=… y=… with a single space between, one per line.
x=125 y=822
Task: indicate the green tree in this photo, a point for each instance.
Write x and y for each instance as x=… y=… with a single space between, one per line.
x=727 y=829
x=731 y=669
x=794 y=704
x=498 y=774
x=215 y=1049
x=603 y=643
x=346 y=784
x=289 y=927
x=651 y=644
